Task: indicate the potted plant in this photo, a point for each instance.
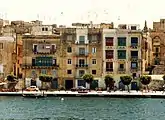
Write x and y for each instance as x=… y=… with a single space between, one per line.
x=145 y=80
x=109 y=81
x=126 y=80
x=88 y=79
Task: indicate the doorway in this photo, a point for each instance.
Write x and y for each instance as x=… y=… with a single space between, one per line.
x=68 y=84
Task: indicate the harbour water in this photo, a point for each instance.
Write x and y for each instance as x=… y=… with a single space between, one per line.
x=77 y=108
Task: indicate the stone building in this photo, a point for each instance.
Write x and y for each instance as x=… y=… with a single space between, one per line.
x=81 y=54
x=158 y=46
x=147 y=54
x=7 y=56
x=41 y=55
x=122 y=52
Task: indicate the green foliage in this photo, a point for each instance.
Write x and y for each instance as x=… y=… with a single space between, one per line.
x=109 y=81
x=88 y=78
x=145 y=80
x=126 y=80
x=11 y=78
x=45 y=78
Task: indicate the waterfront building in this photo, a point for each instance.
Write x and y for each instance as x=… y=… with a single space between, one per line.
x=158 y=46
x=122 y=52
x=82 y=53
x=41 y=55
x=7 y=56
x=147 y=54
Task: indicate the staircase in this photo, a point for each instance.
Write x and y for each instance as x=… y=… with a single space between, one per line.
x=159 y=69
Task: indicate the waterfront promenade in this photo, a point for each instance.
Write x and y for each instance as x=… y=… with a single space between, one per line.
x=139 y=94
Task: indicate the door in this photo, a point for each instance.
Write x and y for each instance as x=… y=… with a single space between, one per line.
x=55 y=83
x=33 y=82
x=94 y=85
x=68 y=84
x=134 y=86
x=81 y=83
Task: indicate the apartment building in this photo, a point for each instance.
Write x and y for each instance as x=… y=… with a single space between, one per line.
x=41 y=55
x=122 y=52
x=81 y=54
x=7 y=56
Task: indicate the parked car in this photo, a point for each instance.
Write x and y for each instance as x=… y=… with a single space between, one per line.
x=79 y=88
x=32 y=88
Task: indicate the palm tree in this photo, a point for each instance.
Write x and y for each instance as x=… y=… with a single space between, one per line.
x=109 y=81
x=145 y=80
x=88 y=78
x=126 y=80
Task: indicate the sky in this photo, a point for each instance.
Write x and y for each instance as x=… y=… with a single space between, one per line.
x=65 y=12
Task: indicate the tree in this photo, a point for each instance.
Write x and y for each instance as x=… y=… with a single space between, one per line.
x=88 y=79
x=145 y=80
x=45 y=79
x=11 y=78
x=109 y=81
x=126 y=80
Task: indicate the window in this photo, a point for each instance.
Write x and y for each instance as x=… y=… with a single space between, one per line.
x=46 y=29
x=133 y=27
x=33 y=62
x=69 y=61
x=69 y=49
x=1 y=45
x=43 y=71
x=157 y=49
x=81 y=39
x=94 y=37
x=109 y=41
x=81 y=61
x=94 y=72
x=121 y=66
x=82 y=51
x=69 y=71
x=93 y=50
x=45 y=61
x=134 y=54
x=54 y=62
x=109 y=54
x=43 y=29
x=69 y=37
x=121 y=41
x=81 y=73
x=53 y=46
x=93 y=61
x=134 y=64
x=34 y=48
x=54 y=73
x=109 y=66
x=121 y=54
x=33 y=73
x=134 y=41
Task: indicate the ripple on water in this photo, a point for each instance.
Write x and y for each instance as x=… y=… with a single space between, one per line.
x=18 y=108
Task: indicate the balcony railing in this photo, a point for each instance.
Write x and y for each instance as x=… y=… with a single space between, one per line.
x=34 y=66
x=134 y=58
x=44 y=51
x=82 y=53
x=134 y=69
x=81 y=65
x=109 y=69
x=121 y=69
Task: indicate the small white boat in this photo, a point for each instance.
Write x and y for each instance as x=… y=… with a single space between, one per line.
x=35 y=94
x=33 y=91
